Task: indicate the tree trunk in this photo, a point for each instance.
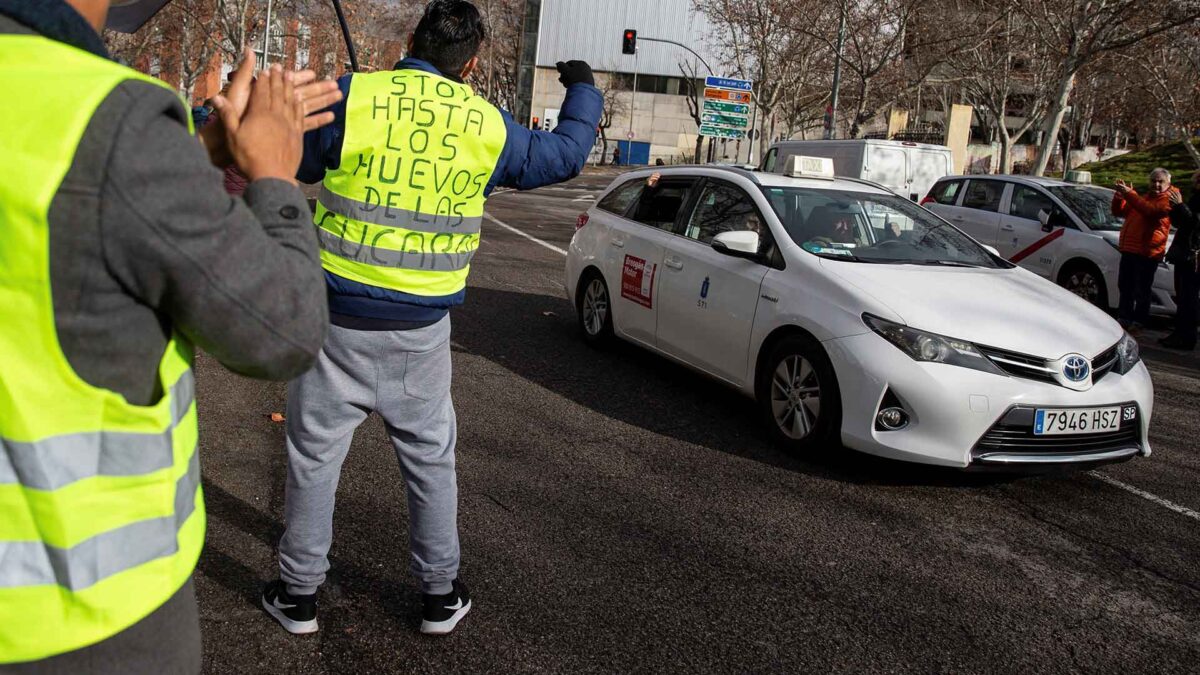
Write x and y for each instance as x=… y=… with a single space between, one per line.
x=1191 y=149
x=603 y=146
x=1058 y=108
x=699 y=148
x=1005 y=150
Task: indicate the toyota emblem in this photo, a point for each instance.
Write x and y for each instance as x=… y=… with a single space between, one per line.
x=1076 y=368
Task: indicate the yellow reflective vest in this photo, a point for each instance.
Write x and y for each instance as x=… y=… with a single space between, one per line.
x=403 y=210
x=101 y=513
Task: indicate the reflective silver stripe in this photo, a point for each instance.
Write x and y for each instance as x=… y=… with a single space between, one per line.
x=379 y=214
x=386 y=257
x=54 y=462
x=33 y=563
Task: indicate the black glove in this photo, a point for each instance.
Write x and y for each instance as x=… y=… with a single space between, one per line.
x=575 y=72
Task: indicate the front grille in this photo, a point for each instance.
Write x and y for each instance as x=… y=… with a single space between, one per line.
x=1037 y=368
x=1013 y=434
x=1104 y=363
x=1021 y=365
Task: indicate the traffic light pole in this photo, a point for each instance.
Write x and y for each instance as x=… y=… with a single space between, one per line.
x=632 y=98
x=831 y=121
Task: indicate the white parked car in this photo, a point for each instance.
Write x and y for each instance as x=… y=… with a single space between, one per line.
x=1064 y=232
x=852 y=314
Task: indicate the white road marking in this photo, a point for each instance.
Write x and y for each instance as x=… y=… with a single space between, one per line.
x=530 y=237
x=1146 y=495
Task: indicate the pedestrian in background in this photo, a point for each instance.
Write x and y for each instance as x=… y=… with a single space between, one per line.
x=393 y=275
x=121 y=251
x=1143 y=244
x=1184 y=256
x=617 y=155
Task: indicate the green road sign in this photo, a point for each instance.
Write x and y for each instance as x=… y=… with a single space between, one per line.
x=725 y=120
x=722 y=107
x=721 y=132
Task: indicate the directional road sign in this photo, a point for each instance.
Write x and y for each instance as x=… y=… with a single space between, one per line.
x=728 y=83
x=726 y=111
x=727 y=95
x=721 y=107
x=738 y=121
x=721 y=132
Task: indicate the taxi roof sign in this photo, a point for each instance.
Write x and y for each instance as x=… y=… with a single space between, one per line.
x=811 y=167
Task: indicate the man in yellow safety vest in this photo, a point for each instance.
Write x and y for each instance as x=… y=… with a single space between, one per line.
x=119 y=250
x=406 y=167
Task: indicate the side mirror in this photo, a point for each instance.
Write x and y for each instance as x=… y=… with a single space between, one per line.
x=1053 y=219
x=740 y=244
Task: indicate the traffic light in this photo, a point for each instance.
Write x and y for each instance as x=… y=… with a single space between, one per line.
x=629 y=42
x=536 y=123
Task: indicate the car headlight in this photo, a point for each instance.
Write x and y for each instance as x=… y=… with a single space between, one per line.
x=1128 y=355
x=925 y=346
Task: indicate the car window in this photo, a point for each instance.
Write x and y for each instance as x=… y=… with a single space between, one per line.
x=722 y=208
x=769 y=161
x=1091 y=204
x=983 y=195
x=872 y=228
x=658 y=206
x=618 y=200
x=946 y=192
x=1027 y=202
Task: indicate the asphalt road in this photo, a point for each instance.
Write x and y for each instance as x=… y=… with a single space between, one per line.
x=621 y=514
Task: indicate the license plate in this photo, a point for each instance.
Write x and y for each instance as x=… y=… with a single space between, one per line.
x=1051 y=422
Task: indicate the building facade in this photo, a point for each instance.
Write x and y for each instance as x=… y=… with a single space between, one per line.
x=655 y=115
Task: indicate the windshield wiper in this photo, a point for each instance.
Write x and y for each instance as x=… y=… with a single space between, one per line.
x=950 y=263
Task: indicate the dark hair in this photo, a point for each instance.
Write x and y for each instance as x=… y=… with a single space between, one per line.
x=448 y=35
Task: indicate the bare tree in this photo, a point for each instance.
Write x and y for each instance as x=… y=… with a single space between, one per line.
x=1003 y=67
x=694 y=97
x=891 y=48
x=614 y=92
x=1077 y=32
x=758 y=38
x=1168 y=68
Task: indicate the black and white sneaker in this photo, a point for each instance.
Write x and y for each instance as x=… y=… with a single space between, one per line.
x=296 y=613
x=443 y=612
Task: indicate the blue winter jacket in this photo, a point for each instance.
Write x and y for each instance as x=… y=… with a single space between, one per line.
x=529 y=159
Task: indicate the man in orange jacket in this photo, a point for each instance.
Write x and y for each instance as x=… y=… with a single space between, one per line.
x=1143 y=244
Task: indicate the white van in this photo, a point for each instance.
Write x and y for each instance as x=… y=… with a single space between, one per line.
x=908 y=169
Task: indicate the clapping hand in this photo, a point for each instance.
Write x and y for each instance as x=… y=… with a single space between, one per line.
x=1122 y=187
x=1175 y=197
x=312 y=94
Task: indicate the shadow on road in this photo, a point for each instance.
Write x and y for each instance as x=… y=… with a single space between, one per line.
x=536 y=337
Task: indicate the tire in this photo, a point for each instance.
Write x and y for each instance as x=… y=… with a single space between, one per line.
x=808 y=422
x=1084 y=279
x=593 y=307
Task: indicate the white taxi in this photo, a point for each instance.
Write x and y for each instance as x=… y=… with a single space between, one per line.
x=853 y=315
x=1064 y=232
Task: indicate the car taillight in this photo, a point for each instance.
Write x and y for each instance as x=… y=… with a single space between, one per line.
x=581 y=221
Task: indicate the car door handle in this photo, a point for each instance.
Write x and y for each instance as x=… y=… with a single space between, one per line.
x=957 y=218
x=1007 y=228
x=674 y=263
x=619 y=243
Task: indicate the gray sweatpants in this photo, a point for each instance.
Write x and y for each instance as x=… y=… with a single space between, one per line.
x=405 y=377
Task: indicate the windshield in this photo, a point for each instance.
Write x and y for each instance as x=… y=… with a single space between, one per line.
x=872 y=228
x=1092 y=205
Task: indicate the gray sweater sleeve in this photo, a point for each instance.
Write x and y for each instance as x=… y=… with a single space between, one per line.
x=241 y=279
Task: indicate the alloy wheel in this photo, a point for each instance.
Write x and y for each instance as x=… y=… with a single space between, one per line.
x=1085 y=285
x=595 y=307
x=795 y=397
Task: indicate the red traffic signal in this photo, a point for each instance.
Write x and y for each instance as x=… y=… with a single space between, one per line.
x=629 y=42
x=536 y=123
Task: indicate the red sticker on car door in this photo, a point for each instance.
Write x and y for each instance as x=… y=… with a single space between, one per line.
x=637 y=281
